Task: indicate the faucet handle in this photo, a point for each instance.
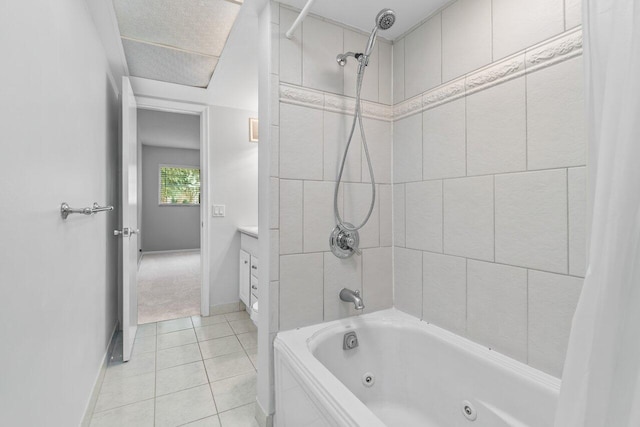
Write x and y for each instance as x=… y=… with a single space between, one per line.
x=353 y=245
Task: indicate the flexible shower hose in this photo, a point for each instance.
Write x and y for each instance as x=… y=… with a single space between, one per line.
x=356 y=119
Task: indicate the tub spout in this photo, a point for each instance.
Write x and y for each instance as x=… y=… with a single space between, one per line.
x=347 y=295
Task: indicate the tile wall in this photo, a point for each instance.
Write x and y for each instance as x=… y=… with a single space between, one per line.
x=489 y=185
x=307 y=141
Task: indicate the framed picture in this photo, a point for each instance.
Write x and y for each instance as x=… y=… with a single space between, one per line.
x=253 y=130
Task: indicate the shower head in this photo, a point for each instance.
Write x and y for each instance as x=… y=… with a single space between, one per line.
x=385 y=19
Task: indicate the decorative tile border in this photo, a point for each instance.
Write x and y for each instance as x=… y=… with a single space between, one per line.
x=561 y=48
x=298 y=95
x=550 y=52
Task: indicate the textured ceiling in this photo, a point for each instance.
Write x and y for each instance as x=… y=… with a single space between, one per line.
x=361 y=14
x=175 y=41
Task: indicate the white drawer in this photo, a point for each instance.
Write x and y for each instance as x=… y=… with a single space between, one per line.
x=254 y=266
x=254 y=285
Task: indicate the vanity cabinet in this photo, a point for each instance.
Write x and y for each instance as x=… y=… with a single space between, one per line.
x=249 y=269
x=245 y=277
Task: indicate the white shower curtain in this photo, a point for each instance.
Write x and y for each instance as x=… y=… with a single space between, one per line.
x=601 y=380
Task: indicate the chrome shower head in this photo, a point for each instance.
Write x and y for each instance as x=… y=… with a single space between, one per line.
x=385 y=19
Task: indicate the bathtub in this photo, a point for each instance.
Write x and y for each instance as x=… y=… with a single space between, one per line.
x=404 y=373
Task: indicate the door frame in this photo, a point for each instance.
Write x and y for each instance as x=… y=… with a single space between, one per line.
x=171 y=106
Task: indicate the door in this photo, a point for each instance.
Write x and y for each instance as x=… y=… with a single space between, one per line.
x=129 y=232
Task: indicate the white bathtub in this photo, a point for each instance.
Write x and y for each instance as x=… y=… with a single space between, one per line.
x=422 y=376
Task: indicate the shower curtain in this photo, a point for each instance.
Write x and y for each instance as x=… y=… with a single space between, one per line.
x=601 y=380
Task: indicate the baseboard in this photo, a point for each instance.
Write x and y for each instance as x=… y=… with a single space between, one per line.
x=170 y=251
x=263 y=419
x=88 y=413
x=231 y=307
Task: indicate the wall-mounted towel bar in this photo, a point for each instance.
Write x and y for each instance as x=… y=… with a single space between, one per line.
x=66 y=210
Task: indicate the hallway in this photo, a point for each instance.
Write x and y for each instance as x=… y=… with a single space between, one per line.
x=188 y=371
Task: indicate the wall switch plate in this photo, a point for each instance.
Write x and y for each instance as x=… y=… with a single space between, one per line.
x=218 y=211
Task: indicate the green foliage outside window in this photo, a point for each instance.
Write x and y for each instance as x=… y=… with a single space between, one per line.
x=179 y=186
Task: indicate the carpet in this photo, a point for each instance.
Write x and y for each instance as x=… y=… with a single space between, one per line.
x=168 y=286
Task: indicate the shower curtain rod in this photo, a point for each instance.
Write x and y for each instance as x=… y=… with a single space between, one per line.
x=300 y=18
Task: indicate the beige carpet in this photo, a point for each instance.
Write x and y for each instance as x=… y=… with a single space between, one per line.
x=168 y=286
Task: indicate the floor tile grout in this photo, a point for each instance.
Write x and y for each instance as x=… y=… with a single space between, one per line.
x=244 y=350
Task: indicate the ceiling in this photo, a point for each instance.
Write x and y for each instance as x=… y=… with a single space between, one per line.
x=174 y=130
x=175 y=41
x=361 y=14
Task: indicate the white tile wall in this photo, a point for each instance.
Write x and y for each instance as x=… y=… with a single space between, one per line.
x=518 y=24
x=386 y=215
x=385 y=76
x=301 y=290
x=377 y=275
x=321 y=42
x=510 y=159
x=531 y=220
x=555 y=116
x=423 y=58
x=496 y=129
x=444 y=291
x=318 y=214
x=577 y=221
x=338 y=274
x=444 y=141
x=357 y=201
x=275 y=151
x=399 y=215
x=497 y=307
x=336 y=134
x=274 y=188
x=398 y=71
x=290 y=54
x=306 y=149
x=423 y=210
x=274 y=255
x=378 y=134
x=466 y=37
x=573 y=13
x=468 y=217
x=291 y=193
x=552 y=301
x=356 y=42
x=407 y=149
x=300 y=142
x=275 y=47
x=407 y=273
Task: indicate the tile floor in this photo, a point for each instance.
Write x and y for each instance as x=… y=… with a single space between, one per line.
x=192 y=371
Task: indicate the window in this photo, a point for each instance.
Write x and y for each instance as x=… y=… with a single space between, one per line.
x=179 y=185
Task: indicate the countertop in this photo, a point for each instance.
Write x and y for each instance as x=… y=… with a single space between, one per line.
x=249 y=230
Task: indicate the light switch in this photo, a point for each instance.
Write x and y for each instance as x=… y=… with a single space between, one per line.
x=218 y=211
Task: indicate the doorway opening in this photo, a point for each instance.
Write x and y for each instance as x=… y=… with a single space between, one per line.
x=172 y=280
x=169 y=190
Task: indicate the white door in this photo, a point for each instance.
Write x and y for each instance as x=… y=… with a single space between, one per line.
x=129 y=232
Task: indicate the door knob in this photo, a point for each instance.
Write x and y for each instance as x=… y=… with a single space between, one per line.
x=126 y=232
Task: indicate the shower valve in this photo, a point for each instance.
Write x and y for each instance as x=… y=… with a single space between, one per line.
x=344 y=242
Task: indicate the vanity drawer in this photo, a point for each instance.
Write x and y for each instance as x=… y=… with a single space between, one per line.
x=254 y=266
x=254 y=285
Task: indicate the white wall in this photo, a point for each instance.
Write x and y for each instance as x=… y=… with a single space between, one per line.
x=58 y=293
x=167 y=228
x=233 y=171
x=489 y=176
